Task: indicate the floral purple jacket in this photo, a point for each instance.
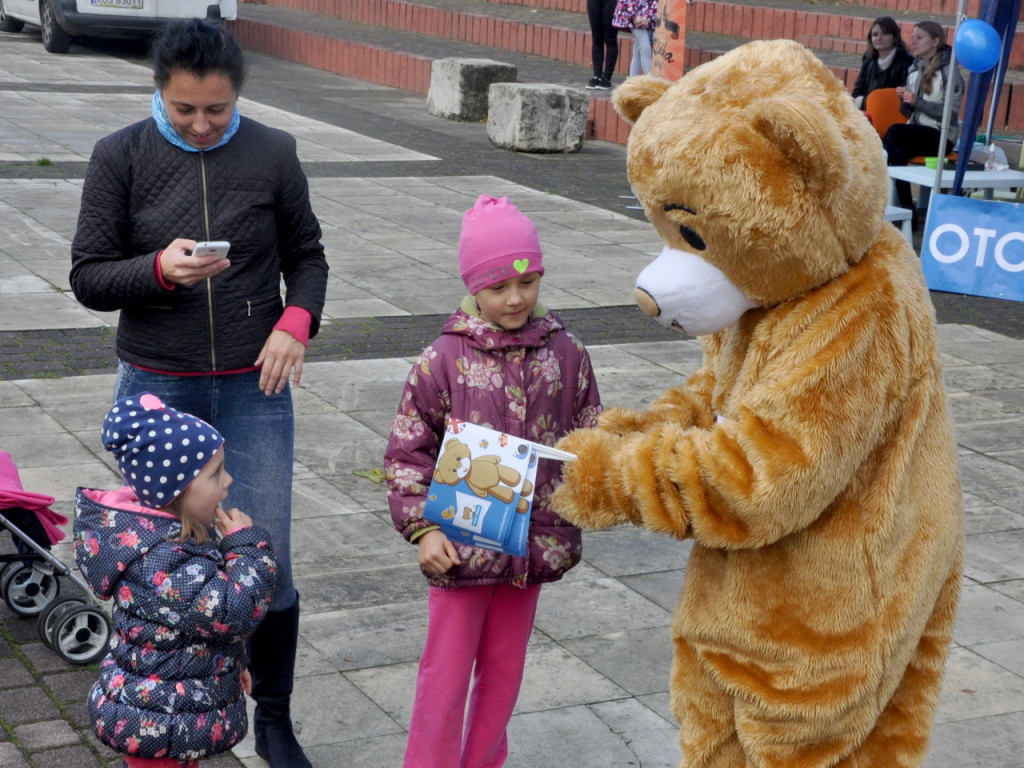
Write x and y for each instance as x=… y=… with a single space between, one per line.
x=537 y=383
x=627 y=10
x=170 y=685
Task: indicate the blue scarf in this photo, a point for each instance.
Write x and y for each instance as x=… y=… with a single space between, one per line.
x=168 y=132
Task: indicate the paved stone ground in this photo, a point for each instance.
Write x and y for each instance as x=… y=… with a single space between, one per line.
x=390 y=184
x=50 y=353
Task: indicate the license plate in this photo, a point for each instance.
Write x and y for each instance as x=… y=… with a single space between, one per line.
x=131 y=4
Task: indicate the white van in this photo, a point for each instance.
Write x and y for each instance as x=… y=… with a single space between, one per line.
x=59 y=20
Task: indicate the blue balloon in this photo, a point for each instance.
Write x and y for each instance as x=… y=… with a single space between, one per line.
x=977 y=45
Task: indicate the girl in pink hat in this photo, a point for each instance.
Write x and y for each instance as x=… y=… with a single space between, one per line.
x=504 y=362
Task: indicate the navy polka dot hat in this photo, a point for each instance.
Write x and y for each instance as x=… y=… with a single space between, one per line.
x=159 y=450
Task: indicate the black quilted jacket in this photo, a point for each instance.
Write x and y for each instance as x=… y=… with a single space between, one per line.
x=141 y=192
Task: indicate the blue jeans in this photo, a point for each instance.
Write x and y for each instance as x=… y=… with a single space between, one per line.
x=640 y=64
x=259 y=437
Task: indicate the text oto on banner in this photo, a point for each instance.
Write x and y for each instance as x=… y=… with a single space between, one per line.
x=974 y=247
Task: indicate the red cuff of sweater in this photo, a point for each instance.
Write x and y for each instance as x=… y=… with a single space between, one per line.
x=160 y=274
x=297 y=322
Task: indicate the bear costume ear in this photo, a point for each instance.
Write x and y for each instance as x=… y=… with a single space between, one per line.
x=637 y=94
x=807 y=138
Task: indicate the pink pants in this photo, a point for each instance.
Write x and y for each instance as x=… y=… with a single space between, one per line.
x=485 y=626
x=158 y=762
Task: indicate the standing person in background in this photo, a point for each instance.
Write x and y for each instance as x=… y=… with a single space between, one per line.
x=207 y=335
x=638 y=16
x=923 y=102
x=504 y=362
x=604 y=49
x=886 y=61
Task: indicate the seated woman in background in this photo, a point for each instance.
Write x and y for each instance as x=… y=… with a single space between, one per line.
x=923 y=100
x=886 y=62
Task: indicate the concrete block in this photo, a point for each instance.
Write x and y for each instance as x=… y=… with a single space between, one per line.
x=47 y=734
x=13 y=672
x=28 y=704
x=537 y=117
x=458 y=87
x=11 y=757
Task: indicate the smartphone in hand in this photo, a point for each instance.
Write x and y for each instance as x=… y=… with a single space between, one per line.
x=218 y=248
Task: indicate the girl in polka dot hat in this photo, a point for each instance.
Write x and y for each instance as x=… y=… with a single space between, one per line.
x=159 y=450
x=187 y=578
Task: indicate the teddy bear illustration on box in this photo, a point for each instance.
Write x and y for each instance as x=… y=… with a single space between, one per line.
x=811 y=459
x=484 y=475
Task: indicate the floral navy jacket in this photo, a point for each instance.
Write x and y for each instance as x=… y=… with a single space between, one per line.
x=170 y=686
x=537 y=383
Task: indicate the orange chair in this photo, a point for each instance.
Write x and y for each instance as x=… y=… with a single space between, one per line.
x=883 y=107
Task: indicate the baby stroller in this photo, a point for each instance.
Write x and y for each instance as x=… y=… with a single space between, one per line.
x=76 y=627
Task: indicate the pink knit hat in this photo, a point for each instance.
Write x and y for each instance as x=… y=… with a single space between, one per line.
x=498 y=241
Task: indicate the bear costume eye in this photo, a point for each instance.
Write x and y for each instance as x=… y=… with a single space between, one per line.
x=692 y=239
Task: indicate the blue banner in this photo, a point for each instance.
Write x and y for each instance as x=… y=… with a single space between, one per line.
x=974 y=247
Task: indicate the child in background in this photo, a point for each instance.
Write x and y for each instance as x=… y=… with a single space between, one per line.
x=504 y=362
x=639 y=17
x=171 y=688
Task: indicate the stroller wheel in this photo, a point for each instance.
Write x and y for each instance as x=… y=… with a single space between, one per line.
x=3 y=572
x=7 y=572
x=53 y=612
x=80 y=634
x=27 y=590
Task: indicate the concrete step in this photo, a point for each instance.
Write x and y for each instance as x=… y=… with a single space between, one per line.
x=841 y=27
x=837 y=27
x=393 y=42
x=400 y=56
x=869 y=8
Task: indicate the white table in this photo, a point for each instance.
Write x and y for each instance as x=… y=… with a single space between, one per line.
x=925 y=177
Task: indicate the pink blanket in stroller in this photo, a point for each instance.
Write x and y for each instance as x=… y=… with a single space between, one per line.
x=12 y=496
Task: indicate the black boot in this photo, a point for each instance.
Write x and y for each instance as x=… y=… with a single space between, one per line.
x=272 y=665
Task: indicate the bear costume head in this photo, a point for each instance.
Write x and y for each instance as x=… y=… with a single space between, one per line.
x=759 y=163
x=811 y=458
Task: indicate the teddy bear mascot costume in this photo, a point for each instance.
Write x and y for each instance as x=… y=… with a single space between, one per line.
x=811 y=458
